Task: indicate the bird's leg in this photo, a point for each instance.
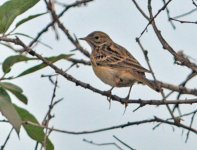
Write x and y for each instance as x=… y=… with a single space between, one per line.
x=109 y=92
x=126 y=99
x=109 y=96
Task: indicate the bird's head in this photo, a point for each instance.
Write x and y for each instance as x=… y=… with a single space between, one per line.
x=97 y=38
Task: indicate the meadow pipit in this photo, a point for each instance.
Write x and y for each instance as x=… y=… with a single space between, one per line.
x=113 y=64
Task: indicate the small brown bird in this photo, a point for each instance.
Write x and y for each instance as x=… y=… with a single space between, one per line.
x=113 y=64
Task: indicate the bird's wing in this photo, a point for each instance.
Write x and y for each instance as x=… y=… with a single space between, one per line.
x=116 y=56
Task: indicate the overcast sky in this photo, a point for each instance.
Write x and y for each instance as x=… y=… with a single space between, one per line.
x=82 y=109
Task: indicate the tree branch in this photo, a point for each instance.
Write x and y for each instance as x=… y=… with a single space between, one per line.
x=184 y=90
x=121 y=126
x=178 y=58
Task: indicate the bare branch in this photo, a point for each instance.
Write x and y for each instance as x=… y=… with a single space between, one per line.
x=121 y=126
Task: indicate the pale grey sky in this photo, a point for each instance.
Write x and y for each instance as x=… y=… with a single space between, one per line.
x=82 y=109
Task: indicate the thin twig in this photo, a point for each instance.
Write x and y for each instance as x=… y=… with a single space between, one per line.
x=168 y=15
x=140 y=10
x=180 y=116
x=48 y=115
x=6 y=141
x=123 y=143
x=188 y=78
x=73 y=40
x=152 y=18
x=75 y=4
x=103 y=144
x=194 y=3
x=185 y=14
x=192 y=120
x=182 y=21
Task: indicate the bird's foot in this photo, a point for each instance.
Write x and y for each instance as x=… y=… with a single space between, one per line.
x=126 y=99
x=109 y=94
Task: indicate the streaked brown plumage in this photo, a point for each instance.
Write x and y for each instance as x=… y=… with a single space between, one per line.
x=113 y=64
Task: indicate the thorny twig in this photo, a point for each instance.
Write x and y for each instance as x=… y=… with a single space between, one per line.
x=48 y=115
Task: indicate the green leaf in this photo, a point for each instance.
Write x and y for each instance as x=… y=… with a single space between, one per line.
x=11 y=9
x=28 y=19
x=20 y=96
x=8 y=46
x=10 y=61
x=11 y=87
x=16 y=90
x=43 y=65
x=35 y=133
x=9 y=111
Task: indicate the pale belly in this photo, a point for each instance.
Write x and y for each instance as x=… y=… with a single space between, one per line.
x=114 y=77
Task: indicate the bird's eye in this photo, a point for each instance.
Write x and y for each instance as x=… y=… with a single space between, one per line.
x=96 y=37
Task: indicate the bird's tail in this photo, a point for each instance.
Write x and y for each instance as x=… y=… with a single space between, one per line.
x=152 y=84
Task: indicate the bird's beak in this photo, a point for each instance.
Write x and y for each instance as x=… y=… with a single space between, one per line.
x=84 y=38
